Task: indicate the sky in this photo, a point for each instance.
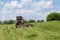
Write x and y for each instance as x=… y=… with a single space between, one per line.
x=29 y=9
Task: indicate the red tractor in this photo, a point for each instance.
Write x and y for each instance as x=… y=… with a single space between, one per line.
x=19 y=21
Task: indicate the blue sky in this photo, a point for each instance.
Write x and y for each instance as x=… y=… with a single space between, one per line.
x=29 y=9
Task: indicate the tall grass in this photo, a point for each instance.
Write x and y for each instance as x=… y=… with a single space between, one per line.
x=41 y=31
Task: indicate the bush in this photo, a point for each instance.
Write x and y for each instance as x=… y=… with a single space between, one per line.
x=53 y=16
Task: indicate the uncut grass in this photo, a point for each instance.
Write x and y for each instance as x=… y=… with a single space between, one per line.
x=40 y=31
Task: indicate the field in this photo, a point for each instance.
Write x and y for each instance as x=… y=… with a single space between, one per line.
x=41 y=31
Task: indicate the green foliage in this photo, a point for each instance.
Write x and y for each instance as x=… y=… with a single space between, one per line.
x=53 y=16
x=25 y=21
x=0 y=22
x=40 y=20
x=5 y=22
x=32 y=21
x=10 y=21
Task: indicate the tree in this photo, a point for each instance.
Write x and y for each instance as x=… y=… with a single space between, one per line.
x=0 y=22
x=5 y=22
x=38 y=21
x=31 y=21
x=10 y=21
x=53 y=16
x=25 y=21
x=42 y=20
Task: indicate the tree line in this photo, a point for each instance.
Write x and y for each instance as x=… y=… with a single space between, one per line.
x=13 y=21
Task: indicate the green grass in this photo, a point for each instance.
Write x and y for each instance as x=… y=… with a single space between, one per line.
x=41 y=31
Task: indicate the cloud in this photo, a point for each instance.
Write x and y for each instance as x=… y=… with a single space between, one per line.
x=26 y=1
x=1 y=2
x=11 y=5
x=41 y=5
x=35 y=10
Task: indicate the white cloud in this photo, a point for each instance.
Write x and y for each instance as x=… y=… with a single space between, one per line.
x=1 y=2
x=26 y=1
x=41 y=5
x=9 y=7
x=14 y=8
